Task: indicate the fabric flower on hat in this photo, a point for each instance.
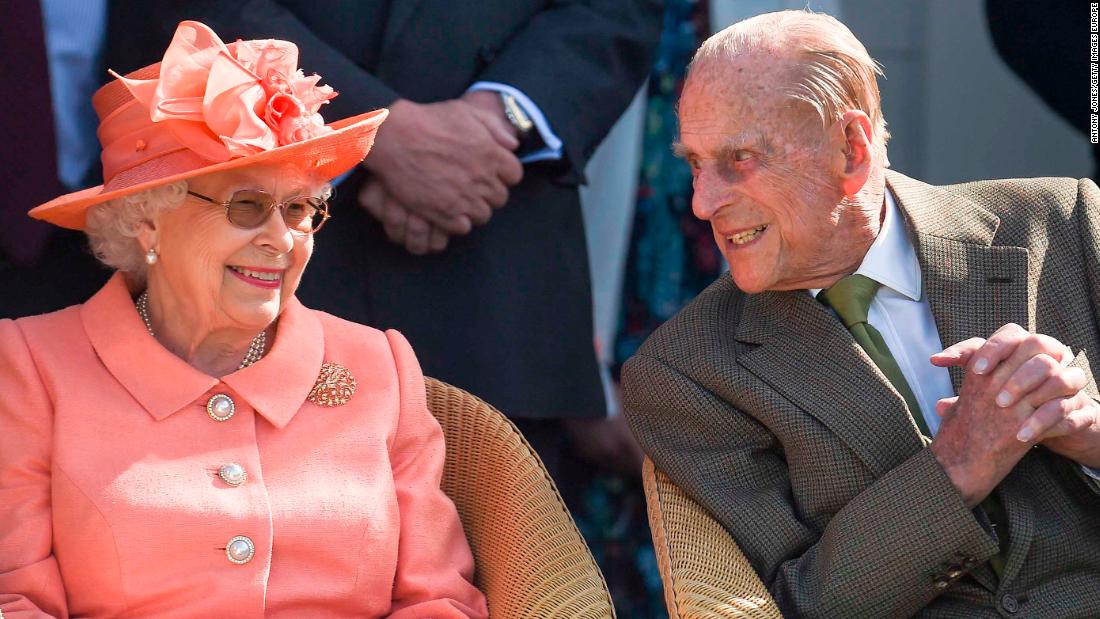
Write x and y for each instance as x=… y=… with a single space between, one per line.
x=232 y=101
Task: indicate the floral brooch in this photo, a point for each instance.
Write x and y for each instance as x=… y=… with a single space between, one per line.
x=334 y=387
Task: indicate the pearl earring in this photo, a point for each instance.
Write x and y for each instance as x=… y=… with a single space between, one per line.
x=151 y=257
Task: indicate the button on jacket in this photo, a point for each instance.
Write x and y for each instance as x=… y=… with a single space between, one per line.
x=122 y=495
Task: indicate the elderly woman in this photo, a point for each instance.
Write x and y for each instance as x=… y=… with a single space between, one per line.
x=192 y=441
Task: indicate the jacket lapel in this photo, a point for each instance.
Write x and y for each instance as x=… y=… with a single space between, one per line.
x=808 y=356
x=974 y=288
x=400 y=13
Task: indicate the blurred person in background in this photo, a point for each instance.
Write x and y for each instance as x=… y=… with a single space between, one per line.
x=50 y=147
x=192 y=440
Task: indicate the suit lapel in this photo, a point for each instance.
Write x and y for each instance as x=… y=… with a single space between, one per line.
x=400 y=13
x=808 y=356
x=973 y=288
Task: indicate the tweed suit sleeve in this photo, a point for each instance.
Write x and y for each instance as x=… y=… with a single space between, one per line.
x=434 y=566
x=30 y=582
x=878 y=556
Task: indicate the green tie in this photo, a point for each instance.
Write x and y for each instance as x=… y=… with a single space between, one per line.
x=851 y=298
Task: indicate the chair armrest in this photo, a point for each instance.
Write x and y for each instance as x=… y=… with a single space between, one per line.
x=531 y=559
x=704 y=572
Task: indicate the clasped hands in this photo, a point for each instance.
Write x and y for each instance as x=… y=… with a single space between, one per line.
x=1018 y=391
x=440 y=168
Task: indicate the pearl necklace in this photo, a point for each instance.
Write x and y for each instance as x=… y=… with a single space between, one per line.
x=255 y=350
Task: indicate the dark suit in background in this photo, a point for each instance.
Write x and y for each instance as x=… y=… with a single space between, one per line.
x=505 y=311
x=42 y=267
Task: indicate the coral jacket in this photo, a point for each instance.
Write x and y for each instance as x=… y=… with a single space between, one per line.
x=111 y=503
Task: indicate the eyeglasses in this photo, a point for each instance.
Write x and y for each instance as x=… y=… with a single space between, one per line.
x=250 y=208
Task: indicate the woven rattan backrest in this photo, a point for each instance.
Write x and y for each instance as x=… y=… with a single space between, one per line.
x=704 y=572
x=531 y=559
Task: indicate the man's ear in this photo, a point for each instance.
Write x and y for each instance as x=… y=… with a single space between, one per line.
x=855 y=145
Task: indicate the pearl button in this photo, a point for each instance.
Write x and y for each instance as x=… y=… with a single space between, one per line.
x=220 y=407
x=232 y=474
x=240 y=550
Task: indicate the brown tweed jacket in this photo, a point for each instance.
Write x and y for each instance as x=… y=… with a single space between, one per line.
x=764 y=409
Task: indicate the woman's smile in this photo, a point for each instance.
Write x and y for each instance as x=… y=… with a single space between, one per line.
x=259 y=277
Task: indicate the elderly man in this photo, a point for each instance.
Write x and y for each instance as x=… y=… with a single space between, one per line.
x=807 y=401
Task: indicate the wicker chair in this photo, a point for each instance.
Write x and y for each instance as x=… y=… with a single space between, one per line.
x=705 y=574
x=531 y=559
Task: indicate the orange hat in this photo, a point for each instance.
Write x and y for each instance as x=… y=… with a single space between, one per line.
x=208 y=107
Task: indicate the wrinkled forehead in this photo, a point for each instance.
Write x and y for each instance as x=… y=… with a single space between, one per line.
x=745 y=97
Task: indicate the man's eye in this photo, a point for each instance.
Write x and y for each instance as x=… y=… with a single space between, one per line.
x=742 y=155
x=693 y=162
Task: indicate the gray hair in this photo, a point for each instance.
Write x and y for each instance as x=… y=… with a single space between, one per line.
x=835 y=72
x=113 y=226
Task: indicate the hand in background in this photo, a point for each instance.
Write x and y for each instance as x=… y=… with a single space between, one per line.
x=402 y=226
x=450 y=163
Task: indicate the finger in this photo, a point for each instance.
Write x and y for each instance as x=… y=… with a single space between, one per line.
x=1058 y=417
x=417 y=232
x=999 y=347
x=944 y=406
x=1062 y=383
x=500 y=130
x=370 y=198
x=454 y=226
x=437 y=240
x=495 y=193
x=1031 y=346
x=479 y=212
x=1034 y=372
x=957 y=354
x=510 y=170
x=394 y=217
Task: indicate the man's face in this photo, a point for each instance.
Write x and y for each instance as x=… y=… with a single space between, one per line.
x=766 y=178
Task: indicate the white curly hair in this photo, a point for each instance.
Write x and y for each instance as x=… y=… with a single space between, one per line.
x=113 y=226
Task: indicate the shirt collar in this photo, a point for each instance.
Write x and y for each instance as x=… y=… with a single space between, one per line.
x=891 y=260
x=276 y=386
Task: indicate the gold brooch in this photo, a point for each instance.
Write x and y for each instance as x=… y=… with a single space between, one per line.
x=334 y=387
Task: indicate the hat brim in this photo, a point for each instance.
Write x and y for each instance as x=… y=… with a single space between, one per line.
x=327 y=156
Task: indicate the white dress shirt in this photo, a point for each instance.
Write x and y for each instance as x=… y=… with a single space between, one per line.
x=902 y=315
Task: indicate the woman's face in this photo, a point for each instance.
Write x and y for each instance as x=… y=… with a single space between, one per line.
x=220 y=275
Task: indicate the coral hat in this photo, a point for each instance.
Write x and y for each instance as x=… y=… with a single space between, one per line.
x=208 y=107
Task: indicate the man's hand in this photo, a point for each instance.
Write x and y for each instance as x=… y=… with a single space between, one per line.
x=449 y=162
x=1038 y=397
x=402 y=226
x=491 y=112
x=976 y=443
